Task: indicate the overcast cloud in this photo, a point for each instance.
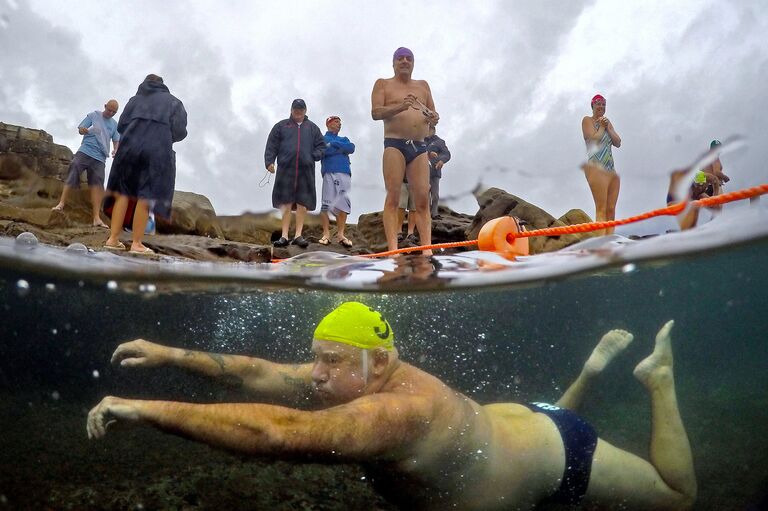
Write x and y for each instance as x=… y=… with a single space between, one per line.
x=511 y=80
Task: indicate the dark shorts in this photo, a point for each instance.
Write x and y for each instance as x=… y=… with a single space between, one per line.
x=93 y=167
x=579 y=441
x=410 y=149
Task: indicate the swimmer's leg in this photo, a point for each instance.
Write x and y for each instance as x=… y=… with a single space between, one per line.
x=670 y=449
x=610 y=345
x=620 y=479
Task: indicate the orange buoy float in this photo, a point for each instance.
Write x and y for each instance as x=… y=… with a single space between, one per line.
x=498 y=235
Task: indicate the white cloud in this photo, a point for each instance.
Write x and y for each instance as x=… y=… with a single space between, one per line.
x=511 y=82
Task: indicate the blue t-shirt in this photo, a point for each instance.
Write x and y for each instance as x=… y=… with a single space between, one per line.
x=100 y=132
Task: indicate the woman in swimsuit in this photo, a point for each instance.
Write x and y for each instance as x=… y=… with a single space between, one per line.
x=599 y=170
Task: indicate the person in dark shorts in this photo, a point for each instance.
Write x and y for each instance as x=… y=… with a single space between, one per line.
x=296 y=143
x=97 y=129
x=423 y=444
x=407 y=109
x=144 y=170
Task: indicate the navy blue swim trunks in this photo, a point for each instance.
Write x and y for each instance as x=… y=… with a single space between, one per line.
x=579 y=440
x=410 y=149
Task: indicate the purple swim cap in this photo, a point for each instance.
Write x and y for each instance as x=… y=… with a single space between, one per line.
x=402 y=52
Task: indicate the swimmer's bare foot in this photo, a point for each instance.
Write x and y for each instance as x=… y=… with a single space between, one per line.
x=99 y=223
x=658 y=365
x=611 y=344
x=58 y=207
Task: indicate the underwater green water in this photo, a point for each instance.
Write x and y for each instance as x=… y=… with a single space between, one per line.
x=513 y=344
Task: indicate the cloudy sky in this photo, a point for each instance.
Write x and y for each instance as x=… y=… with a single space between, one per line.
x=511 y=81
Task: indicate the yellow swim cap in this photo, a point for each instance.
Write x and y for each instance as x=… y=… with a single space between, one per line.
x=358 y=325
x=700 y=178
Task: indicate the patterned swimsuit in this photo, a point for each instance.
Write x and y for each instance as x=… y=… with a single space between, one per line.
x=601 y=152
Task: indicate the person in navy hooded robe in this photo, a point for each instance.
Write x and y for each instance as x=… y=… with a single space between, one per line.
x=144 y=169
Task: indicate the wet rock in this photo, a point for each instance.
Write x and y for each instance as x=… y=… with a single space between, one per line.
x=191 y=213
x=495 y=203
x=250 y=227
x=32 y=168
x=32 y=148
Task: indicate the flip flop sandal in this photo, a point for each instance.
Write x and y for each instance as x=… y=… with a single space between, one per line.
x=345 y=242
x=146 y=251
x=115 y=248
x=324 y=241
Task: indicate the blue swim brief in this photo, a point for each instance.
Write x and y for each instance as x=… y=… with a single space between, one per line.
x=579 y=441
x=410 y=149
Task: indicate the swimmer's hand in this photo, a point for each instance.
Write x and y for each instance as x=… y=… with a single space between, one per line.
x=141 y=353
x=108 y=412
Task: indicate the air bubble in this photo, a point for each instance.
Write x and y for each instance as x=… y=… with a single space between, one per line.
x=112 y=285
x=95 y=373
x=77 y=248
x=50 y=287
x=147 y=288
x=629 y=268
x=22 y=287
x=26 y=240
x=55 y=395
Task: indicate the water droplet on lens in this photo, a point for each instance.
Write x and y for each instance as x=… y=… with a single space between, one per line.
x=95 y=373
x=26 y=240
x=22 y=287
x=77 y=248
x=628 y=268
x=54 y=331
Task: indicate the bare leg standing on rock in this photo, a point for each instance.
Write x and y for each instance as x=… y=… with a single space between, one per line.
x=610 y=345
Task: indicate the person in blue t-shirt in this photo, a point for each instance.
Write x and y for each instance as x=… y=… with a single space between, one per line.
x=337 y=181
x=98 y=128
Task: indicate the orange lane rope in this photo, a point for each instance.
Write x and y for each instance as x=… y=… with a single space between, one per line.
x=672 y=210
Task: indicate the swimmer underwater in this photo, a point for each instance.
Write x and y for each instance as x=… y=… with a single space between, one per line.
x=426 y=445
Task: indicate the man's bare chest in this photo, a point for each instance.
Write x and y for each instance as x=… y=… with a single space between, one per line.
x=395 y=93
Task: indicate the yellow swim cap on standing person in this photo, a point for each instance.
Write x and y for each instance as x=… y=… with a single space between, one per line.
x=357 y=325
x=700 y=178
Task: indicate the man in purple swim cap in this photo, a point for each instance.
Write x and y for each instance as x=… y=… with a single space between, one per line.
x=407 y=109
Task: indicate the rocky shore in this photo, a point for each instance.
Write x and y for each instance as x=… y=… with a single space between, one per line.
x=33 y=167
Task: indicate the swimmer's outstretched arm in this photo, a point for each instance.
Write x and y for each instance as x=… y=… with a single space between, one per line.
x=381 y=427
x=283 y=381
